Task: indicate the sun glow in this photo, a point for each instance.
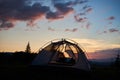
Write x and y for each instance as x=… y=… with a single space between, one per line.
x=92 y=45
x=66 y=55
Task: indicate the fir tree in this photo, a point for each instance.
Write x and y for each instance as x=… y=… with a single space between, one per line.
x=28 y=49
x=117 y=61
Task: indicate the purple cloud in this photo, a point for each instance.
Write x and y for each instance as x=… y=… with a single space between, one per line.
x=4 y=25
x=14 y=10
x=113 y=30
x=62 y=9
x=25 y=10
x=54 y=16
x=71 y=30
x=31 y=23
x=89 y=10
x=88 y=25
x=74 y=29
x=80 y=19
x=111 y=18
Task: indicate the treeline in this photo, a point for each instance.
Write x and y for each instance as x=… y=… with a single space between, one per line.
x=16 y=58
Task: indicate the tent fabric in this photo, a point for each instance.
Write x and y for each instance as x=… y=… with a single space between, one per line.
x=62 y=53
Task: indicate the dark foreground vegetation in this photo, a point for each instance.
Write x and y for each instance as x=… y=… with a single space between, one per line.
x=16 y=66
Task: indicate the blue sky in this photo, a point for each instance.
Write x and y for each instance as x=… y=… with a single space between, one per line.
x=95 y=24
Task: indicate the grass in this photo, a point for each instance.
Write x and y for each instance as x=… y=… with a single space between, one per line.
x=15 y=72
x=16 y=67
x=105 y=73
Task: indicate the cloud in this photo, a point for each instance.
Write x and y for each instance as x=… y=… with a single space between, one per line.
x=62 y=9
x=113 y=30
x=104 y=31
x=32 y=10
x=19 y=10
x=72 y=30
x=31 y=23
x=111 y=18
x=92 y=45
x=13 y=10
x=53 y=16
x=85 y=10
x=89 y=10
x=86 y=7
x=70 y=2
x=67 y=30
x=83 y=20
x=80 y=19
x=82 y=13
x=88 y=25
x=51 y=29
x=5 y=25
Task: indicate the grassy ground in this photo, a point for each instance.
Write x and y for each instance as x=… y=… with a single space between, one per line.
x=106 y=73
x=16 y=67
x=39 y=73
x=20 y=72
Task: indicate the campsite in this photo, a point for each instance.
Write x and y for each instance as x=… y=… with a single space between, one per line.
x=59 y=39
x=20 y=71
x=50 y=64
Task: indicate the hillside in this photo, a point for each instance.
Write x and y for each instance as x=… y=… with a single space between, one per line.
x=18 y=67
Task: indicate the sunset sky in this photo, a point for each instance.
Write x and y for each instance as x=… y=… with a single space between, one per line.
x=94 y=24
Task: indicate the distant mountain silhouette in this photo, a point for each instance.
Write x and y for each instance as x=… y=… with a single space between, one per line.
x=107 y=55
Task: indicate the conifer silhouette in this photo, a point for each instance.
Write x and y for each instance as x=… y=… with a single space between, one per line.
x=28 y=49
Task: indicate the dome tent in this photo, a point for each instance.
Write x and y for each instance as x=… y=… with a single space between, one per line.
x=64 y=53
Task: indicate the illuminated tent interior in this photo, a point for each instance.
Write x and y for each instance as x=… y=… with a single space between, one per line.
x=63 y=53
